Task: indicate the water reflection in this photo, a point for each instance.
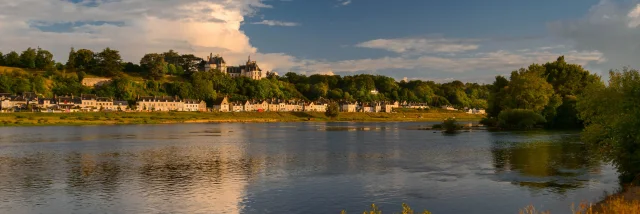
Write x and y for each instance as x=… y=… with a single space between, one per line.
x=288 y=168
x=555 y=165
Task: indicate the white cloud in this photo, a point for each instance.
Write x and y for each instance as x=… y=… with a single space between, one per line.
x=610 y=27
x=421 y=45
x=143 y=26
x=634 y=17
x=276 y=23
x=343 y=3
x=472 y=66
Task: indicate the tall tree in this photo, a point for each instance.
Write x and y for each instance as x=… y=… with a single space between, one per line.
x=497 y=94
x=44 y=60
x=71 y=61
x=611 y=115
x=153 y=64
x=108 y=62
x=2 y=62
x=172 y=57
x=84 y=60
x=12 y=59
x=28 y=58
x=528 y=90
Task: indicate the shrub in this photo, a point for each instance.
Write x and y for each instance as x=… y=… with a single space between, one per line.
x=489 y=121
x=333 y=110
x=519 y=119
x=450 y=125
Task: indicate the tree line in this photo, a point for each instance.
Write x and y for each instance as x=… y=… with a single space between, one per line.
x=154 y=67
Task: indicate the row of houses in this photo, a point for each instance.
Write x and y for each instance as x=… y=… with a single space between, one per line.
x=92 y=103
x=224 y=105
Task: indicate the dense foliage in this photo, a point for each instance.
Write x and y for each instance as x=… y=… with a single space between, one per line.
x=519 y=119
x=171 y=73
x=611 y=114
x=549 y=90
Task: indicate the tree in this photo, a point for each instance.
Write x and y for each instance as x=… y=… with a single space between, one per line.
x=171 y=69
x=108 y=62
x=44 y=60
x=12 y=59
x=611 y=113
x=2 y=62
x=333 y=110
x=71 y=61
x=527 y=90
x=84 y=60
x=28 y=58
x=153 y=64
x=81 y=75
x=172 y=57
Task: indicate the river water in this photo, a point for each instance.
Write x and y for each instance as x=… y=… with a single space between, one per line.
x=292 y=168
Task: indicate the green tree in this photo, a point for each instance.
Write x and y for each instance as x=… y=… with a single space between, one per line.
x=171 y=69
x=12 y=59
x=44 y=60
x=610 y=113
x=333 y=110
x=2 y=62
x=84 y=60
x=71 y=61
x=527 y=90
x=108 y=63
x=153 y=64
x=81 y=75
x=28 y=58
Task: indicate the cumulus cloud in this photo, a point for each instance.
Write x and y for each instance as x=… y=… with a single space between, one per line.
x=491 y=62
x=276 y=23
x=421 y=45
x=610 y=27
x=134 y=27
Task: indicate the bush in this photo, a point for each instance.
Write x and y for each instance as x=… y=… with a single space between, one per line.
x=450 y=125
x=489 y=121
x=519 y=119
x=333 y=110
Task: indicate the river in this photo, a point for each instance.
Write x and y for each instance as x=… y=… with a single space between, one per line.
x=292 y=168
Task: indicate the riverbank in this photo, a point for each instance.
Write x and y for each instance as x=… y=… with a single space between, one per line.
x=121 y=118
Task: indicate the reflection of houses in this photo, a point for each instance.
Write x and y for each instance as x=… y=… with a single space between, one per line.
x=250 y=69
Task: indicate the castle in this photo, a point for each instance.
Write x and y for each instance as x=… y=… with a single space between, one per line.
x=250 y=69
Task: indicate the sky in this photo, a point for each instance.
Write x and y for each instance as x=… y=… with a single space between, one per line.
x=439 y=40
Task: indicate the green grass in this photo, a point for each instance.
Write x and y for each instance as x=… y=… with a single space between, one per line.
x=115 y=118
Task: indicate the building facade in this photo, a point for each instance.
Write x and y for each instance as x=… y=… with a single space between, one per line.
x=250 y=69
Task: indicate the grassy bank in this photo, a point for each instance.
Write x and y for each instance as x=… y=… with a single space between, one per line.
x=625 y=202
x=114 y=118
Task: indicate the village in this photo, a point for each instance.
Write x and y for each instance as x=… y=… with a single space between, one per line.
x=31 y=102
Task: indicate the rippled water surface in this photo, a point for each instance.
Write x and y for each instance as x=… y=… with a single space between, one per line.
x=291 y=168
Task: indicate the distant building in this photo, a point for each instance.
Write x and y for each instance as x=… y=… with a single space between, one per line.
x=250 y=69
x=221 y=105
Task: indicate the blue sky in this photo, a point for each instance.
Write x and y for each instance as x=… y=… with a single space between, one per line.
x=436 y=40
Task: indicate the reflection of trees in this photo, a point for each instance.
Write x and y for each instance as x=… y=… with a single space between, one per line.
x=556 y=166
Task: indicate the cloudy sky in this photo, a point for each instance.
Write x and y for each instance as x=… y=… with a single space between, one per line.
x=438 y=40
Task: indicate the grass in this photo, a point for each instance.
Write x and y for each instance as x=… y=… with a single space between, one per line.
x=626 y=202
x=116 y=118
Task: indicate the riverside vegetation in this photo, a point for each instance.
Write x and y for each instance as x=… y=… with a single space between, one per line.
x=120 y=118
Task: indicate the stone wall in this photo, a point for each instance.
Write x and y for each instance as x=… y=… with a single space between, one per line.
x=92 y=82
